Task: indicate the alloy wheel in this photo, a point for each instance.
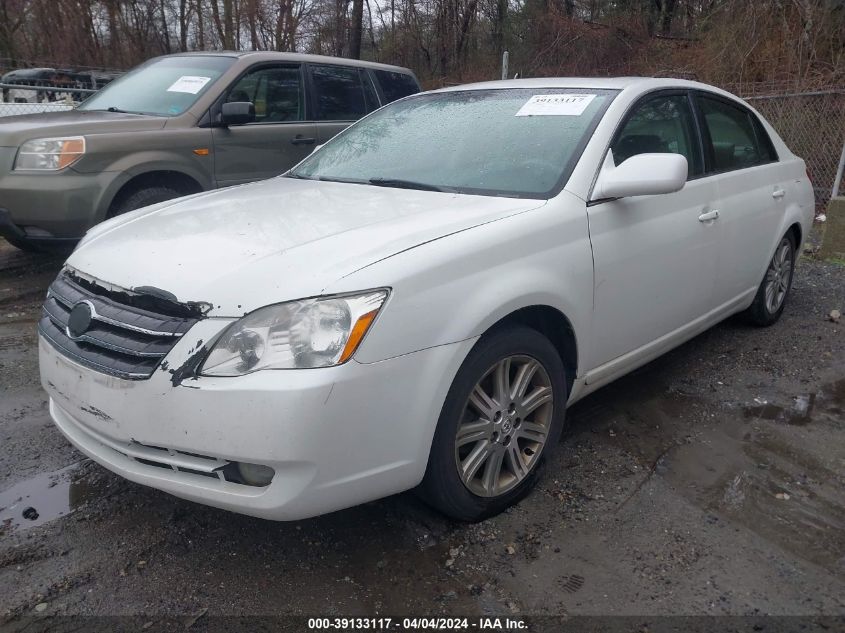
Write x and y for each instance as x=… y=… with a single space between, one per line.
x=504 y=426
x=778 y=276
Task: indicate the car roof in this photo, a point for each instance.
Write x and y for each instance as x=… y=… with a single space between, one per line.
x=635 y=84
x=261 y=56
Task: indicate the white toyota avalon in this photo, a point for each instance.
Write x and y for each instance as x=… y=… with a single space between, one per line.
x=417 y=302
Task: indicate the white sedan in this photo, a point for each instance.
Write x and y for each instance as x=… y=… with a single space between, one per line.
x=416 y=303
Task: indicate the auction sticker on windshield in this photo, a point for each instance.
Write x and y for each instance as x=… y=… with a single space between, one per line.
x=556 y=105
x=189 y=83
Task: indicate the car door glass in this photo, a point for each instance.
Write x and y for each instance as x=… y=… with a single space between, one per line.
x=396 y=85
x=277 y=92
x=339 y=93
x=660 y=125
x=370 y=95
x=732 y=135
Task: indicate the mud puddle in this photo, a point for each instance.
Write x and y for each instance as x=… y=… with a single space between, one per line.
x=42 y=498
x=755 y=469
x=827 y=403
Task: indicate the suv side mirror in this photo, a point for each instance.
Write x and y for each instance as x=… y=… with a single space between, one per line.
x=641 y=175
x=238 y=113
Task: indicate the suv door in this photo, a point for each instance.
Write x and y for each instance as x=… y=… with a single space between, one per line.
x=342 y=95
x=281 y=134
x=743 y=162
x=654 y=256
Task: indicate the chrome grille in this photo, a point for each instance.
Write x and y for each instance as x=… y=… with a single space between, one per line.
x=122 y=340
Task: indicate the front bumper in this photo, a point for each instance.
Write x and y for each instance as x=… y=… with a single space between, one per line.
x=336 y=437
x=52 y=207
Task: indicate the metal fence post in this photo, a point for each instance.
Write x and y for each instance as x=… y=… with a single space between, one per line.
x=838 y=182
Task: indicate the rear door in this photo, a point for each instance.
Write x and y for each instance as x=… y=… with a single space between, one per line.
x=393 y=85
x=281 y=135
x=342 y=95
x=750 y=192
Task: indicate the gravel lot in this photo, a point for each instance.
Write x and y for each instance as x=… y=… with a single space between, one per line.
x=711 y=481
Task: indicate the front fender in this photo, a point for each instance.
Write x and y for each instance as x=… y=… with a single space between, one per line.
x=457 y=287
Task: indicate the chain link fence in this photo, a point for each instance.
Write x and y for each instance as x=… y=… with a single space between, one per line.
x=33 y=99
x=812 y=124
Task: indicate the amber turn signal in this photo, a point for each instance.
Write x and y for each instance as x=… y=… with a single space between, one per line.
x=357 y=335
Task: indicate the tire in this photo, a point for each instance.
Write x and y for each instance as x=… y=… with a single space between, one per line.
x=23 y=245
x=143 y=198
x=502 y=431
x=773 y=291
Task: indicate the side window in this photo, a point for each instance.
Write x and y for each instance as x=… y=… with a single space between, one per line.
x=396 y=85
x=278 y=93
x=732 y=135
x=767 y=148
x=660 y=125
x=370 y=95
x=339 y=93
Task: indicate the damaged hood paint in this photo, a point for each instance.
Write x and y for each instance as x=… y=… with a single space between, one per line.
x=282 y=239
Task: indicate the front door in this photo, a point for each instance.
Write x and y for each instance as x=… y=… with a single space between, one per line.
x=281 y=134
x=655 y=257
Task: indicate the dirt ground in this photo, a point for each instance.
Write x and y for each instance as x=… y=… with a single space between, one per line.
x=712 y=481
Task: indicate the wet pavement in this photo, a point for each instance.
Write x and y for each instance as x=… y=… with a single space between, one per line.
x=711 y=481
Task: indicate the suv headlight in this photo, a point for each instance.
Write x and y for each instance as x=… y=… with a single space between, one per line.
x=50 y=154
x=304 y=334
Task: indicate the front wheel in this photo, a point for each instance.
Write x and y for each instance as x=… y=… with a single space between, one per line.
x=771 y=295
x=141 y=198
x=502 y=417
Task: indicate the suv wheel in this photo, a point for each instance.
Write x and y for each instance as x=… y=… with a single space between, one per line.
x=23 y=245
x=502 y=417
x=143 y=198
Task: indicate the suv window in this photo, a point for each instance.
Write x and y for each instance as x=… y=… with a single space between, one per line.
x=660 y=125
x=340 y=93
x=277 y=91
x=733 y=139
x=396 y=85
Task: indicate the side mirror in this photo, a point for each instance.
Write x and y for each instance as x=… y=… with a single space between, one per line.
x=641 y=175
x=238 y=113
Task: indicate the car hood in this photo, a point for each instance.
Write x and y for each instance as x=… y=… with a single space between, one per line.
x=15 y=130
x=242 y=248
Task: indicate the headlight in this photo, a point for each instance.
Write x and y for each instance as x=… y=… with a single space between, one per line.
x=303 y=334
x=50 y=154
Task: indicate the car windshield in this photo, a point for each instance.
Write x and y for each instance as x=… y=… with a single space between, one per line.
x=504 y=142
x=164 y=87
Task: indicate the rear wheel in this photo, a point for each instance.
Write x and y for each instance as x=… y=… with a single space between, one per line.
x=771 y=295
x=502 y=417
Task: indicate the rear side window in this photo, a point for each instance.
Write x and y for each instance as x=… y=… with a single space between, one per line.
x=660 y=125
x=735 y=141
x=339 y=92
x=396 y=85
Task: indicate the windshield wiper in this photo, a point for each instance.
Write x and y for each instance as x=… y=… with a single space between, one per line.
x=403 y=184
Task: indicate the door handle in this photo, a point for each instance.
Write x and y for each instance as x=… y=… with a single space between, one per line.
x=300 y=140
x=778 y=193
x=709 y=216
